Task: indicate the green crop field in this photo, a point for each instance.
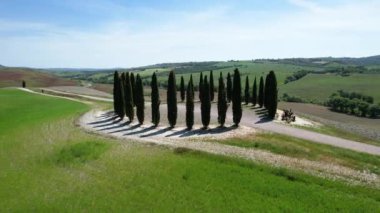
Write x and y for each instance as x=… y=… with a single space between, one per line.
x=321 y=86
x=48 y=164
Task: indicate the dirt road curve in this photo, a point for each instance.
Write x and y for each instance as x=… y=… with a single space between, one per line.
x=251 y=119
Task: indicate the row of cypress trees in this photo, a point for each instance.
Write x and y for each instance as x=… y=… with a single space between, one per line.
x=265 y=96
x=129 y=93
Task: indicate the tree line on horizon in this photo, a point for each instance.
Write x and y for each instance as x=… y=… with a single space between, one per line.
x=129 y=94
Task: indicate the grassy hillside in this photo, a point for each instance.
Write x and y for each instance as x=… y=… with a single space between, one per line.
x=47 y=164
x=321 y=86
x=12 y=76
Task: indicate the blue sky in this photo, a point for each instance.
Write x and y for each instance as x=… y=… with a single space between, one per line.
x=116 y=33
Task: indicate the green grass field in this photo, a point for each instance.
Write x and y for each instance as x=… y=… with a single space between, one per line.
x=48 y=164
x=320 y=86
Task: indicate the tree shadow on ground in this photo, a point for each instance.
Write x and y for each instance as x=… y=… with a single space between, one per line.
x=110 y=118
x=264 y=119
x=203 y=131
x=141 y=131
x=127 y=129
x=115 y=126
x=161 y=131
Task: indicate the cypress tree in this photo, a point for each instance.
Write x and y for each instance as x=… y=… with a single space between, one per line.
x=222 y=102
x=115 y=93
x=271 y=95
x=23 y=84
x=236 y=98
x=190 y=104
x=133 y=85
x=182 y=89
x=128 y=97
x=200 y=86
x=205 y=103
x=172 y=100
x=229 y=88
x=246 y=91
x=254 y=93
x=139 y=101
x=211 y=86
x=155 y=101
x=266 y=92
x=119 y=93
x=261 y=92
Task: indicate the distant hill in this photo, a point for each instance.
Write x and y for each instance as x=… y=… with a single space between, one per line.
x=13 y=76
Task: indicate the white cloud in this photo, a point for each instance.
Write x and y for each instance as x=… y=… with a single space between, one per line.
x=214 y=34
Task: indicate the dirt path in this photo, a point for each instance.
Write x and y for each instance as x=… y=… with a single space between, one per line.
x=107 y=124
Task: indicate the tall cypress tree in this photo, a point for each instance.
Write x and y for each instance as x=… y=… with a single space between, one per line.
x=222 y=101
x=190 y=104
x=115 y=93
x=172 y=100
x=229 y=88
x=246 y=91
x=261 y=92
x=236 y=98
x=200 y=86
x=205 y=103
x=155 y=97
x=120 y=111
x=254 y=93
x=133 y=86
x=182 y=89
x=266 y=92
x=139 y=101
x=271 y=95
x=128 y=97
x=118 y=92
x=212 y=88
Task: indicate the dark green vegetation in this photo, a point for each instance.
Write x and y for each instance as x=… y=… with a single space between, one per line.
x=105 y=175
x=172 y=100
x=205 y=103
x=261 y=92
x=155 y=97
x=229 y=88
x=271 y=94
x=237 y=111
x=190 y=104
x=128 y=96
x=139 y=101
x=254 y=93
x=200 y=86
x=354 y=103
x=246 y=91
x=118 y=96
x=222 y=102
x=212 y=87
x=182 y=89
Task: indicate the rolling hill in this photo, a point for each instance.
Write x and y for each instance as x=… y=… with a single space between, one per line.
x=13 y=76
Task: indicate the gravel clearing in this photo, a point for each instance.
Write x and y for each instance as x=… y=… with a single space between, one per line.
x=105 y=123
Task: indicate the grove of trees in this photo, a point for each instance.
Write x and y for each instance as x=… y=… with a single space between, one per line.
x=129 y=93
x=354 y=103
